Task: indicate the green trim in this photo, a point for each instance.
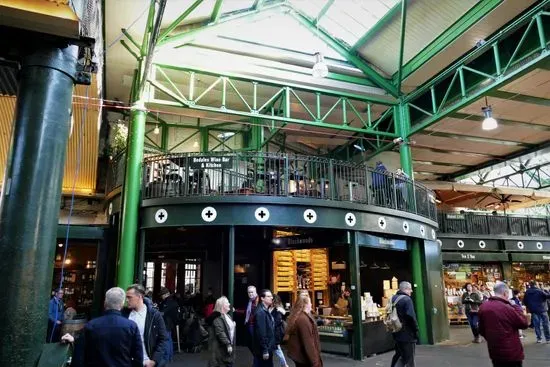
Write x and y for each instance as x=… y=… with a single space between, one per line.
x=451 y=34
x=519 y=98
x=216 y=12
x=355 y=278
x=376 y=28
x=357 y=61
x=205 y=139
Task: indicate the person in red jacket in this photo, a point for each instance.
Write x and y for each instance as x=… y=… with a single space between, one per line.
x=499 y=323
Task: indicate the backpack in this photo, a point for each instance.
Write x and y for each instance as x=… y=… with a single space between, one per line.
x=392 y=322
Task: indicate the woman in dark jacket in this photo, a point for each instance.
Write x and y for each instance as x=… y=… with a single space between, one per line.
x=303 y=342
x=221 y=339
x=278 y=312
x=471 y=301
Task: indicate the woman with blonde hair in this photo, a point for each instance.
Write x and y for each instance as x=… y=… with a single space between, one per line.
x=303 y=336
x=221 y=338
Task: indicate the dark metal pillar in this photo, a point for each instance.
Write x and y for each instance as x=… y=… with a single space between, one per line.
x=141 y=258
x=355 y=288
x=231 y=265
x=29 y=205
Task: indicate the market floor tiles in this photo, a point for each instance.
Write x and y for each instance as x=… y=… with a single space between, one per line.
x=459 y=351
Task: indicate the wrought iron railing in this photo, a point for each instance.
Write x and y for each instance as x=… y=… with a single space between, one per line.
x=489 y=224
x=283 y=175
x=115 y=173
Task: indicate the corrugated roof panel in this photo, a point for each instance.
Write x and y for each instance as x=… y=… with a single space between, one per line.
x=349 y=20
x=425 y=21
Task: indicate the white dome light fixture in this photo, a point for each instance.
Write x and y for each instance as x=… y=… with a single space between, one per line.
x=157 y=130
x=489 y=123
x=320 y=68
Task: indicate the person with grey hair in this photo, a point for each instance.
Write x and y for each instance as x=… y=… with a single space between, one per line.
x=407 y=336
x=500 y=320
x=109 y=340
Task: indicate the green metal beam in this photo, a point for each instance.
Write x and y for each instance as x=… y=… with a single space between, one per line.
x=461 y=153
x=190 y=35
x=357 y=61
x=495 y=84
x=130 y=38
x=125 y=45
x=402 y=44
x=451 y=34
x=276 y=83
x=520 y=98
x=216 y=12
x=148 y=28
x=178 y=21
x=257 y=4
x=323 y=11
x=377 y=27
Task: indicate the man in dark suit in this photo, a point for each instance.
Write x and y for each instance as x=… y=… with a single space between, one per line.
x=110 y=340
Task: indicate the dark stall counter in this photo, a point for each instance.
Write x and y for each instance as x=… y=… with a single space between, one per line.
x=337 y=340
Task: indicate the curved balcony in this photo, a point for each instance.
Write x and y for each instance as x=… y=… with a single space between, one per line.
x=282 y=175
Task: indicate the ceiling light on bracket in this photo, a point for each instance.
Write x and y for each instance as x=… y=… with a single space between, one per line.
x=489 y=123
x=157 y=130
x=320 y=68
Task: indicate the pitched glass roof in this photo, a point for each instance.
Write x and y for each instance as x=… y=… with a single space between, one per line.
x=347 y=20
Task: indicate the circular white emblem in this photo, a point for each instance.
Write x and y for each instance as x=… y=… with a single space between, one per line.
x=110 y=208
x=433 y=234
x=460 y=243
x=382 y=222
x=310 y=216
x=539 y=245
x=520 y=245
x=482 y=244
x=209 y=214
x=350 y=219
x=406 y=227
x=422 y=231
x=161 y=216
x=440 y=243
x=262 y=214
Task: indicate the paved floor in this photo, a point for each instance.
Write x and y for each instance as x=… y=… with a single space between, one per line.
x=457 y=352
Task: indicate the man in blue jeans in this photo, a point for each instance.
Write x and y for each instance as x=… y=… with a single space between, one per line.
x=535 y=301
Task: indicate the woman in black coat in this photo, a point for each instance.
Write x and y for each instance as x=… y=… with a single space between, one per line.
x=279 y=315
x=221 y=338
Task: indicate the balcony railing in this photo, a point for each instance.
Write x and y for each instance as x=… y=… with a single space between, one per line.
x=489 y=224
x=282 y=175
x=115 y=173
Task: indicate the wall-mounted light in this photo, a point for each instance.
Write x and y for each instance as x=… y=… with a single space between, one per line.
x=320 y=68
x=489 y=123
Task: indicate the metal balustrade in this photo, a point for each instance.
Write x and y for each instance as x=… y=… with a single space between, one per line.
x=489 y=224
x=283 y=175
x=115 y=173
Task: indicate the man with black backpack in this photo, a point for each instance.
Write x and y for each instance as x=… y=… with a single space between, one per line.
x=403 y=325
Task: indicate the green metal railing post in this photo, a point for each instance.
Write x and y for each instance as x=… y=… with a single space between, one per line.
x=205 y=139
x=355 y=288
x=231 y=265
x=131 y=195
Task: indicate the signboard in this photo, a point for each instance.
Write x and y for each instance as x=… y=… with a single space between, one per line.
x=368 y=240
x=212 y=162
x=475 y=256
x=531 y=257
x=314 y=240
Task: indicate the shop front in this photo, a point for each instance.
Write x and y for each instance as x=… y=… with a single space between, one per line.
x=318 y=263
x=530 y=260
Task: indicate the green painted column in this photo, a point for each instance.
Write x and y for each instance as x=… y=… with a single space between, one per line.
x=131 y=196
x=29 y=205
x=403 y=128
x=355 y=287
x=231 y=265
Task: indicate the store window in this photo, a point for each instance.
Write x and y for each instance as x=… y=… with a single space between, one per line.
x=522 y=273
x=192 y=276
x=457 y=275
